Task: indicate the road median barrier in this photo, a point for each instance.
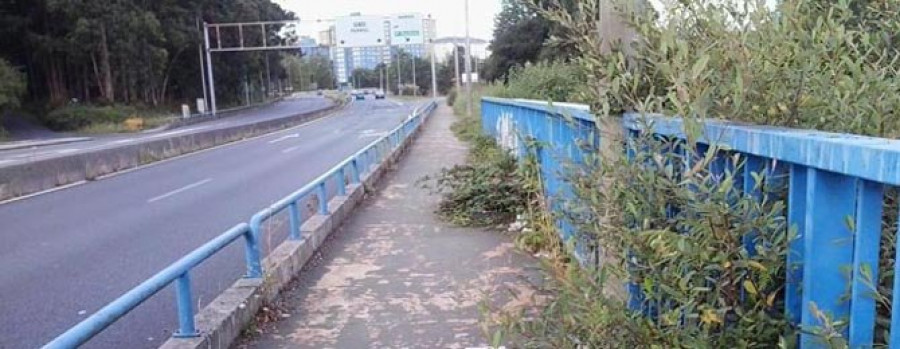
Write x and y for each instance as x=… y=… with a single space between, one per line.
x=41 y=175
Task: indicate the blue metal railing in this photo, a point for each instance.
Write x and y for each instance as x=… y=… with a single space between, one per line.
x=179 y=272
x=831 y=178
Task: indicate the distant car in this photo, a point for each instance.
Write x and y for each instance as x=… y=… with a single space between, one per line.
x=379 y=94
x=319 y=92
x=359 y=96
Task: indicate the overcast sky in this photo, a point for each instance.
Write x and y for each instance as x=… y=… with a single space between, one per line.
x=450 y=14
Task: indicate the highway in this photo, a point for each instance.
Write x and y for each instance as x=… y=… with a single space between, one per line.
x=287 y=107
x=68 y=252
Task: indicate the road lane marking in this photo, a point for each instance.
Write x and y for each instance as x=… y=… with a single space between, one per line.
x=288 y=150
x=66 y=151
x=371 y=133
x=122 y=141
x=179 y=190
x=6 y=161
x=172 y=133
x=285 y=137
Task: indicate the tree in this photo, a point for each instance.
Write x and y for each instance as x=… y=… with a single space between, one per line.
x=519 y=38
x=365 y=78
x=307 y=73
x=131 y=51
x=12 y=86
x=522 y=36
x=408 y=63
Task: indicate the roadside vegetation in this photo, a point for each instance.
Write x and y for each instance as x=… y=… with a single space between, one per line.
x=805 y=64
x=104 y=119
x=91 y=65
x=12 y=87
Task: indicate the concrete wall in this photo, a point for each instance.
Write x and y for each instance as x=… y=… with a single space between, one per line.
x=33 y=177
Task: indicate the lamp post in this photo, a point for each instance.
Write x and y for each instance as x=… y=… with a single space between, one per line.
x=468 y=65
x=433 y=72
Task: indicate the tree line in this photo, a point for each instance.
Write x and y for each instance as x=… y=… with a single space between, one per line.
x=127 y=51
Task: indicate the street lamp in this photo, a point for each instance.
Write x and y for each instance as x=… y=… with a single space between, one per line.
x=468 y=64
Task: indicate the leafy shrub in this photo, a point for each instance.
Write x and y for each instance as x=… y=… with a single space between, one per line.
x=488 y=190
x=678 y=232
x=12 y=86
x=451 y=97
x=76 y=117
x=548 y=81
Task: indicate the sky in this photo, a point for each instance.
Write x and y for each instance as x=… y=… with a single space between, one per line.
x=449 y=14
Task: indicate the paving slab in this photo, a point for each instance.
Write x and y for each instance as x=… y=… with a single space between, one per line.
x=395 y=276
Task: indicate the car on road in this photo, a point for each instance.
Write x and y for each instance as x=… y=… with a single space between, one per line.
x=379 y=94
x=359 y=96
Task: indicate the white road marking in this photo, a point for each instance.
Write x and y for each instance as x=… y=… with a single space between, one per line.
x=372 y=135
x=172 y=133
x=179 y=190
x=6 y=161
x=122 y=141
x=66 y=151
x=285 y=137
x=288 y=150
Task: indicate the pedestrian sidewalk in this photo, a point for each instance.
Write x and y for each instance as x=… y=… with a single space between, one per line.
x=394 y=276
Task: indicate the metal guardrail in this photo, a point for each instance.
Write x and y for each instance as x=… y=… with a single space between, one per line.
x=831 y=179
x=179 y=272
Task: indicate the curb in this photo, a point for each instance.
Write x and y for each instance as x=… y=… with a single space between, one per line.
x=224 y=319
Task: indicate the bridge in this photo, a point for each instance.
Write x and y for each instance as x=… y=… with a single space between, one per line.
x=347 y=252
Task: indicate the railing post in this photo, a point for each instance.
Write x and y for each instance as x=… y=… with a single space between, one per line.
x=796 y=216
x=828 y=203
x=294 y=234
x=364 y=162
x=185 y=304
x=323 y=199
x=354 y=171
x=342 y=185
x=867 y=236
x=251 y=252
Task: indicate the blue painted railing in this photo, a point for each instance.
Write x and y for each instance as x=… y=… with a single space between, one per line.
x=560 y=134
x=831 y=179
x=179 y=272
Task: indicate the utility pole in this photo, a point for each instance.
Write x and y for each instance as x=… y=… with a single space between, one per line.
x=203 y=80
x=209 y=70
x=456 y=66
x=414 y=66
x=268 y=76
x=399 y=75
x=203 y=74
x=433 y=73
x=468 y=65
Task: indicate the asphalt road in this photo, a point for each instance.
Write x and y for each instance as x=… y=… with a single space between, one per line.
x=281 y=109
x=69 y=252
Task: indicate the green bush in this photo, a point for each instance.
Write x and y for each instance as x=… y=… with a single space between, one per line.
x=12 y=86
x=677 y=231
x=488 y=190
x=451 y=97
x=547 y=81
x=77 y=117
